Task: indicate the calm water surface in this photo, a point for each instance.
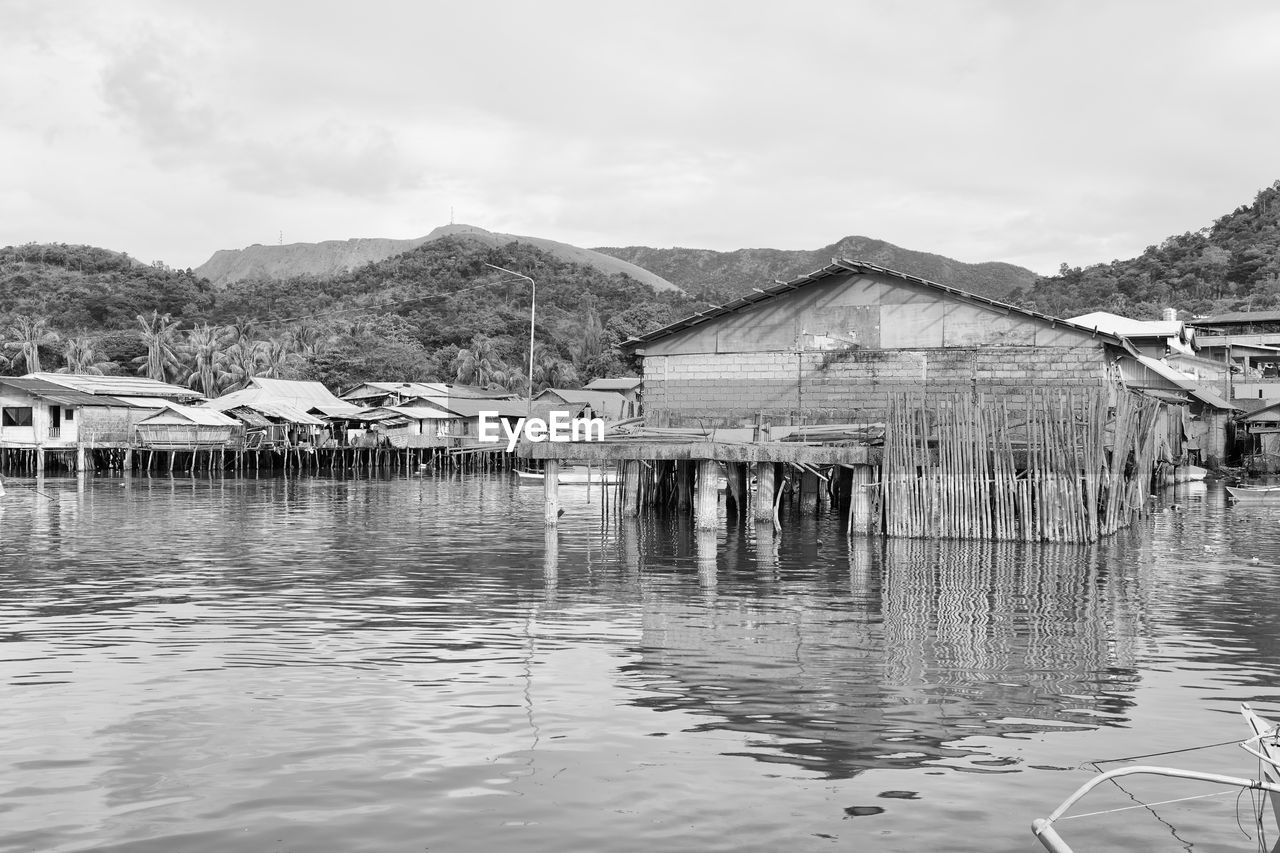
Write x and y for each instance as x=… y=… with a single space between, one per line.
x=384 y=665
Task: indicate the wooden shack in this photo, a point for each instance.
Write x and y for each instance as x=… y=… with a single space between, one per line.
x=177 y=427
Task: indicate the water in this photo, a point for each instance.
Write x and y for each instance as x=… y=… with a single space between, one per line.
x=315 y=665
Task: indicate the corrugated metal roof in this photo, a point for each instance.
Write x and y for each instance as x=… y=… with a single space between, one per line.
x=1105 y=321
x=602 y=402
x=298 y=392
x=130 y=386
x=144 y=402
x=1238 y=317
x=59 y=394
x=839 y=267
x=623 y=383
x=345 y=410
x=190 y=414
x=1184 y=382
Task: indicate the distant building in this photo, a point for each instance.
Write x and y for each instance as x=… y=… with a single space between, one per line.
x=630 y=387
x=1154 y=338
x=610 y=405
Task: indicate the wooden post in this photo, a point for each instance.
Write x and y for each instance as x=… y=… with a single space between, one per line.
x=82 y=462
x=860 y=500
x=707 y=497
x=551 y=491
x=39 y=461
x=763 y=511
x=736 y=502
x=631 y=489
x=683 y=485
x=808 y=493
x=128 y=460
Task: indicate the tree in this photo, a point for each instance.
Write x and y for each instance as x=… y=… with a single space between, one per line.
x=479 y=364
x=82 y=356
x=204 y=359
x=27 y=334
x=160 y=337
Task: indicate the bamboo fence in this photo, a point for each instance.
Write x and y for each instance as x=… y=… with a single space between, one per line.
x=1057 y=466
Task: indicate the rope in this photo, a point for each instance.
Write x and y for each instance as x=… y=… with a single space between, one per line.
x=1149 y=805
x=1156 y=754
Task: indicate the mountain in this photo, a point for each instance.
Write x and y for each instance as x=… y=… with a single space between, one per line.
x=336 y=257
x=718 y=276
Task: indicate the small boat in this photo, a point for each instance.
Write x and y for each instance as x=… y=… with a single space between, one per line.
x=1245 y=493
x=574 y=475
x=1264 y=744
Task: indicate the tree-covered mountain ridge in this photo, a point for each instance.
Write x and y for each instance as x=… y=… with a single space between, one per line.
x=338 y=257
x=437 y=312
x=1231 y=265
x=723 y=276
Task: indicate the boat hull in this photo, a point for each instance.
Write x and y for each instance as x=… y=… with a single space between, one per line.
x=1253 y=494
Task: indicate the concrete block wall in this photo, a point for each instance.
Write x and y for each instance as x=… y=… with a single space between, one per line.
x=731 y=389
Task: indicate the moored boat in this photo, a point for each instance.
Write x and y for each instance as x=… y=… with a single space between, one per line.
x=1254 y=493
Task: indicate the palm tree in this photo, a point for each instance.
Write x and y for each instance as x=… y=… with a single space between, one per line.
x=478 y=364
x=28 y=335
x=244 y=361
x=551 y=371
x=278 y=358
x=160 y=337
x=204 y=359
x=83 y=357
x=305 y=339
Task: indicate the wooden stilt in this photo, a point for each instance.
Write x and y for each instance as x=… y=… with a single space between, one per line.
x=706 y=496
x=763 y=508
x=551 y=492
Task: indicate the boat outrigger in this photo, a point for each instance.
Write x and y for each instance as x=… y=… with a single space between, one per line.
x=1264 y=745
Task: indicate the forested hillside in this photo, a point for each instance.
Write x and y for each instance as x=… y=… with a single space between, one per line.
x=436 y=312
x=1232 y=265
x=723 y=276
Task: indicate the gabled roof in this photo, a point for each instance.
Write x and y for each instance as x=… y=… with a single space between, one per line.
x=1266 y=413
x=303 y=394
x=841 y=267
x=191 y=414
x=404 y=389
x=473 y=408
x=129 y=386
x=603 y=402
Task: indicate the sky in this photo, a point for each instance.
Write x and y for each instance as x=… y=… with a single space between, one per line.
x=1030 y=132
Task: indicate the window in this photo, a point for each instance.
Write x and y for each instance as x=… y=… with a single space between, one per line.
x=68 y=415
x=16 y=416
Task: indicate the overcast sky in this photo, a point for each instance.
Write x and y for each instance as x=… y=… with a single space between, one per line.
x=1028 y=132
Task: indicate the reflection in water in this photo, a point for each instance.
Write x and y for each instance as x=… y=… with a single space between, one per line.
x=934 y=639
x=212 y=664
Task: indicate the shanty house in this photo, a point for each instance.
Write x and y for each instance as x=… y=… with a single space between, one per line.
x=56 y=410
x=609 y=405
x=178 y=427
x=836 y=345
x=630 y=387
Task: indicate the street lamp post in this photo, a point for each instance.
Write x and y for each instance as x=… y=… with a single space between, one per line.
x=533 y=307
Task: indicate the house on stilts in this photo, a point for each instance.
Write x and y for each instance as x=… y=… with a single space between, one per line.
x=922 y=410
